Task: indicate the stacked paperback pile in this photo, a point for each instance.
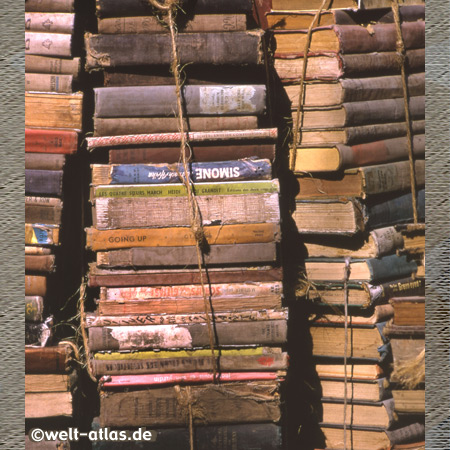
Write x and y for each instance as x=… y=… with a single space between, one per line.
x=353 y=195
x=155 y=325
x=52 y=120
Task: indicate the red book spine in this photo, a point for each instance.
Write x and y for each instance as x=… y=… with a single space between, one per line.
x=50 y=141
x=118 y=381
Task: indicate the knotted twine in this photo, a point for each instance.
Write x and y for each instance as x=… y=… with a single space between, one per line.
x=401 y=55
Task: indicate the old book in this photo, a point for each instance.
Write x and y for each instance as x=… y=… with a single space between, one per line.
x=345 y=90
x=330 y=159
x=351 y=217
x=236 y=254
x=336 y=66
x=357 y=390
x=35 y=285
x=362 y=113
x=53 y=110
x=156 y=101
x=111 y=382
x=49 y=6
x=40 y=161
x=230 y=290
x=364 y=294
x=50 y=22
x=47 y=64
x=357 y=135
x=411 y=446
x=39 y=334
x=50 y=141
x=186 y=305
x=97 y=320
x=364 y=316
x=41 y=234
x=144 y=49
x=245 y=169
x=258 y=358
x=48 y=44
x=40 y=263
x=37 y=250
x=379 y=242
x=408 y=311
x=150 y=24
x=143 y=125
x=257 y=436
x=200 y=153
x=45 y=210
x=369 y=414
x=120 y=8
x=168 y=237
x=188 y=336
x=231 y=403
x=105 y=277
x=43 y=82
x=363 y=342
x=360 y=372
x=52 y=404
x=372 y=270
x=409 y=401
x=369 y=438
x=298 y=20
x=43 y=182
x=34 y=308
x=339 y=4
x=48 y=360
x=47 y=383
x=361 y=182
x=349 y=39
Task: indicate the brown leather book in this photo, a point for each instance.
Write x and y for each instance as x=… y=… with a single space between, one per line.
x=48 y=359
x=35 y=285
x=43 y=161
x=40 y=263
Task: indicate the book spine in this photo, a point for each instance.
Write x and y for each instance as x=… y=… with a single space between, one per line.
x=94 y=320
x=141 y=49
x=53 y=110
x=379 y=152
x=40 y=263
x=123 y=8
x=37 y=234
x=50 y=141
x=39 y=161
x=186 y=336
x=35 y=285
x=142 y=125
x=34 y=308
x=171 y=155
x=386 y=240
x=380 y=38
x=230 y=290
x=42 y=82
x=45 y=64
x=168 y=237
x=48 y=44
x=49 y=22
x=47 y=360
x=391 y=266
x=173 y=211
x=30 y=250
x=233 y=403
x=187 y=256
x=150 y=24
x=410 y=433
x=145 y=101
x=243 y=170
x=47 y=182
x=163 y=138
x=43 y=214
x=66 y=6
x=43 y=201
x=187 y=306
x=405 y=287
x=391 y=177
x=191 y=363
x=97 y=279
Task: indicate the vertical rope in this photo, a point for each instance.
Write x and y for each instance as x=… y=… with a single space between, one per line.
x=346 y=277
x=299 y=117
x=402 y=57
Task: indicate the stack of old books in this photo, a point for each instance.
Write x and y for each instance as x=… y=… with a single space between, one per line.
x=353 y=201
x=154 y=328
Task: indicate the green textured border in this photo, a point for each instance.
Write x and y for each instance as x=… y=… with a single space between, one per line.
x=438 y=225
x=12 y=257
